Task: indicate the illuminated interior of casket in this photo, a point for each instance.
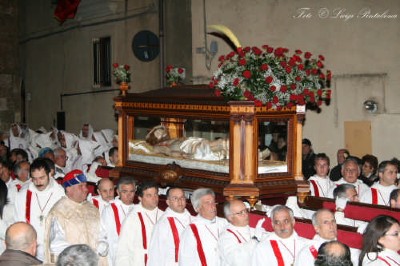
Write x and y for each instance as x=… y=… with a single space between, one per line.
x=205 y=145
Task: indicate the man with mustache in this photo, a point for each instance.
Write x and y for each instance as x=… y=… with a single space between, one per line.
x=33 y=203
x=283 y=245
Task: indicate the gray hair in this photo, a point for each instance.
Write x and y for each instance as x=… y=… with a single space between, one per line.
x=314 y=218
x=58 y=151
x=227 y=208
x=340 y=191
x=349 y=161
x=278 y=208
x=78 y=255
x=126 y=180
x=198 y=194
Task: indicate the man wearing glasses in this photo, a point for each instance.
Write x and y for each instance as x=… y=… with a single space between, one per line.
x=238 y=241
x=199 y=242
x=164 y=245
x=350 y=174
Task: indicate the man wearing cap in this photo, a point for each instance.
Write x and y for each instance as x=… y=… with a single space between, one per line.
x=34 y=202
x=308 y=156
x=73 y=220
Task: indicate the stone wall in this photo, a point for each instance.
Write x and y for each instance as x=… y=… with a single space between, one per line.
x=10 y=82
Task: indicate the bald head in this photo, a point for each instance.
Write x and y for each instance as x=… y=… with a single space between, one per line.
x=236 y=213
x=105 y=188
x=21 y=236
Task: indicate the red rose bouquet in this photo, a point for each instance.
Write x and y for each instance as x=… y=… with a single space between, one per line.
x=121 y=73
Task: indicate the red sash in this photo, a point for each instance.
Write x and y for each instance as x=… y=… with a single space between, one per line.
x=382 y=259
x=200 y=250
x=374 y=192
x=175 y=234
x=116 y=216
x=277 y=252
x=144 y=238
x=230 y=231
x=315 y=186
x=96 y=203
x=28 y=206
x=314 y=252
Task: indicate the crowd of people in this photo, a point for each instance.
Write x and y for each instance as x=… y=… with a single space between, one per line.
x=48 y=217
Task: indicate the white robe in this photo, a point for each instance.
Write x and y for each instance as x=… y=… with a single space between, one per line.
x=130 y=249
x=41 y=204
x=102 y=203
x=233 y=253
x=389 y=256
x=305 y=257
x=109 y=224
x=383 y=193
x=361 y=188
x=5 y=222
x=209 y=232
x=289 y=249
x=162 y=245
x=12 y=191
x=324 y=185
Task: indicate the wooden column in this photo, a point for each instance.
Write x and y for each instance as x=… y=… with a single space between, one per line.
x=242 y=148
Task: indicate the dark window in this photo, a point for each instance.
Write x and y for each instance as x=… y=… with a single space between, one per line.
x=102 y=62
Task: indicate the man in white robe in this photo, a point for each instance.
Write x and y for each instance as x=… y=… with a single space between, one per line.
x=114 y=214
x=350 y=174
x=238 y=241
x=379 y=193
x=73 y=220
x=137 y=228
x=33 y=203
x=320 y=184
x=21 y=171
x=5 y=175
x=282 y=246
x=164 y=244
x=326 y=230
x=105 y=188
x=199 y=242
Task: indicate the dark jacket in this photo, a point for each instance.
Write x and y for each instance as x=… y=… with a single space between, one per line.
x=12 y=257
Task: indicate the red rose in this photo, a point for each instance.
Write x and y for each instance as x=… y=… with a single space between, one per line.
x=298 y=78
x=257 y=103
x=319 y=92
x=307 y=55
x=278 y=52
x=265 y=46
x=283 y=63
x=314 y=71
x=211 y=85
x=230 y=55
x=236 y=82
x=270 y=50
x=256 y=50
x=275 y=99
x=293 y=86
x=278 y=108
x=301 y=67
x=298 y=52
x=288 y=69
x=308 y=72
x=239 y=50
x=292 y=62
x=293 y=97
x=306 y=91
x=169 y=68
x=321 y=57
x=283 y=88
x=329 y=75
x=247 y=49
x=248 y=95
x=247 y=74
x=126 y=67
x=242 y=62
x=322 y=76
x=221 y=58
x=269 y=105
x=264 y=67
x=217 y=93
x=319 y=64
x=180 y=70
x=272 y=88
x=269 y=79
x=115 y=65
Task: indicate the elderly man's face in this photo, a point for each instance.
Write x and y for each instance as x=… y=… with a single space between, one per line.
x=126 y=193
x=326 y=228
x=239 y=215
x=350 y=172
x=352 y=195
x=106 y=190
x=283 y=224
x=207 y=209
